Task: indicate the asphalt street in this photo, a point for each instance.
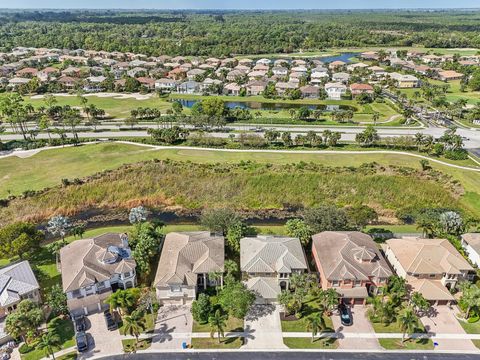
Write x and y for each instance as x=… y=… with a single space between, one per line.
x=289 y=355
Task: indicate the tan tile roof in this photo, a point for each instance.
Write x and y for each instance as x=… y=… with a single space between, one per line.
x=349 y=255
x=264 y=287
x=186 y=254
x=271 y=254
x=87 y=261
x=430 y=289
x=472 y=239
x=428 y=256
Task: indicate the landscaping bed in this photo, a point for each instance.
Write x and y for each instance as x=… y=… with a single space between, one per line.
x=306 y=343
x=129 y=345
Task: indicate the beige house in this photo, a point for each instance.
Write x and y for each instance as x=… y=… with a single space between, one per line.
x=351 y=263
x=187 y=259
x=92 y=269
x=267 y=262
x=404 y=81
x=430 y=266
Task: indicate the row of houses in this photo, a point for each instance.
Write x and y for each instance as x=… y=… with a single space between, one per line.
x=348 y=261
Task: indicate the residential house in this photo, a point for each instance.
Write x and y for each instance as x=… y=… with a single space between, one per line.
x=335 y=91
x=431 y=266
x=264 y=62
x=186 y=261
x=67 y=82
x=94 y=83
x=341 y=77
x=92 y=269
x=27 y=72
x=165 y=84
x=235 y=74
x=17 y=283
x=310 y=92
x=149 y=83
x=377 y=72
x=256 y=87
x=471 y=244
x=192 y=74
x=405 y=81
x=232 y=89
x=357 y=89
x=280 y=71
x=15 y=82
x=448 y=75
x=267 y=262
x=283 y=87
x=335 y=65
x=351 y=263
x=189 y=87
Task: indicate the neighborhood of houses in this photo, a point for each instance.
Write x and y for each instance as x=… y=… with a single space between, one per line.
x=56 y=70
x=350 y=262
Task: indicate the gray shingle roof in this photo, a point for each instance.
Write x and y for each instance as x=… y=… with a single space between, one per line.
x=16 y=280
x=271 y=254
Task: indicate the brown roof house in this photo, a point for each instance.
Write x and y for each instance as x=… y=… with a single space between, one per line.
x=267 y=263
x=357 y=89
x=186 y=260
x=351 y=263
x=92 y=269
x=430 y=266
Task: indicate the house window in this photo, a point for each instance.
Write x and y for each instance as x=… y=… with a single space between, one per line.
x=358 y=282
x=76 y=293
x=176 y=288
x=432 y=275
x=335 y=283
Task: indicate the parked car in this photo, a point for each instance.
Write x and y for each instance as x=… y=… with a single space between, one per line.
x=345 y=315
x=110 y=321
x=82 y=341
x=80 y=324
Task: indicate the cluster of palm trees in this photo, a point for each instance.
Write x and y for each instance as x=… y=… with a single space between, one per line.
x=470 y=299
x=394 y=304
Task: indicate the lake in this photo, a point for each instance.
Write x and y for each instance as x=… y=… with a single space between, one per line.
x=257 y=105
x=345 y=57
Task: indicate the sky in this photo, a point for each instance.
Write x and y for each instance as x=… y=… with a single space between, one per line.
x=238 y=4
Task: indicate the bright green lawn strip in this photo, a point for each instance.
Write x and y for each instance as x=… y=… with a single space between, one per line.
x=129 y=344
x=69 y=356
x=232 y=325
x=311 y=306
x=396 y=344
x=306 y=343
x=395 y=228
x=470 y=328
x=209 y=343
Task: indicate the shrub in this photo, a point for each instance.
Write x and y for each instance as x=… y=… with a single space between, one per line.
x=473 y=319
x=460 y=154
x=24 y=348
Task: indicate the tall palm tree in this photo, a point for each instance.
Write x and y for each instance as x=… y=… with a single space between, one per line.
x=134 y=325
x=217 y=323
x=49 y=342
x=316 y=324
x=408 y=322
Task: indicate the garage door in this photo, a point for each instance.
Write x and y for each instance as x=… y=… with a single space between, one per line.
x=358 y=302
x=442 y=302
x=347 y=301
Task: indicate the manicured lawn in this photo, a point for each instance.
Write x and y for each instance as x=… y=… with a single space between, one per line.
x=70 y=356
x=396 y=344
x=391 y=328
x=225 y=343
x=149 y=323
x=470 y=328
x=404 y=228
x=476 y=343
x=129 y=345
x=311 y=306
x=64 y=329
x=306 y=343
x=233 y=325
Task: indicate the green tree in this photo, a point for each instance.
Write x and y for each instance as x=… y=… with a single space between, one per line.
x=214 y=107
x=360 y=216
x=419 y=303
x=315 y=324
x=326 y=218
x=299 y=229
x=49 y=342
x=27 y=318
x=201 y=309
x=59 y=226
x=19 y=239
x=219 y=220
x=217 y=323
x=236 y=299
x=124 y=300
x=145 y=240
x=177 y=107
x=367 y=137
x=57 y=300
x=408 y=322
x=134 y=324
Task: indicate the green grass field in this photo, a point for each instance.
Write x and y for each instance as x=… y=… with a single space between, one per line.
x=396 y=344
x=232 y=325
x=306 y=343
x=225 y=343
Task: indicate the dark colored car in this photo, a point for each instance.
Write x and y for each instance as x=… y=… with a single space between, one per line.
x=345 y=315
x=80 y=324
x=82 y=341
x=110 y=321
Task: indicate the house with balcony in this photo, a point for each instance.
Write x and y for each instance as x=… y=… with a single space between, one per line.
x=351 y=263
x=267 y=262
x=431 y=267
x=186 y=261
x=92 y=269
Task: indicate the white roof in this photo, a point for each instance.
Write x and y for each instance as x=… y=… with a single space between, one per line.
x=15 y=281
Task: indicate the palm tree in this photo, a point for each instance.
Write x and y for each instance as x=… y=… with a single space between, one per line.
x=217 y=323
x=134 y=324
x=375 y=117
x=329 y=299
x=418 y=302
x=123 y=300
x=315 y=324
x=50 y=341
x=408 y=322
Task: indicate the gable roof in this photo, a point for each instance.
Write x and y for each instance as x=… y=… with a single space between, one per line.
x=271 y=254
x=428 y=256
x=472 y=239
x=16 y=280
x=186 y=254
x=88 y=261
x=349 y=255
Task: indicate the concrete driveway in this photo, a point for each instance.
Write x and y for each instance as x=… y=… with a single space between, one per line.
x=263 y=328
x=442 y=320
x=172 y=319
x=102 y=342
x=361 y=324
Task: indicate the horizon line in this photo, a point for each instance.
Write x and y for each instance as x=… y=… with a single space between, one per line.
x=246 y=9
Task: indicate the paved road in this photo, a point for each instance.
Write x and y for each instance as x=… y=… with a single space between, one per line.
x=293 y=355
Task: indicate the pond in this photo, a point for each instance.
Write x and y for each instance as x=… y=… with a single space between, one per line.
x=257 y=105
x=345 y=57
